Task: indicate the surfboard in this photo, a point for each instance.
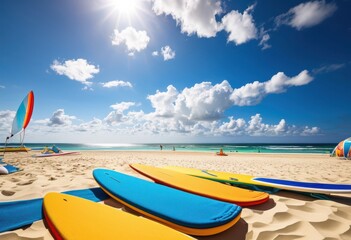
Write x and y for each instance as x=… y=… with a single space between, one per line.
x=70 y=217
x=203 y=187
x=241 y=179
x=54 y=154
x=185 y=212
x=14 y=149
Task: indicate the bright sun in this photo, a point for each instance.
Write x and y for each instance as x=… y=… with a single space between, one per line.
x=123 y=10
x=127 y=7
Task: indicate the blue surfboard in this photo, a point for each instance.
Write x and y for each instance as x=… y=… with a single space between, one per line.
x=183 y=211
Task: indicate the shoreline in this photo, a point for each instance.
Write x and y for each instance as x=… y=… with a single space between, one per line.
x=286 y=215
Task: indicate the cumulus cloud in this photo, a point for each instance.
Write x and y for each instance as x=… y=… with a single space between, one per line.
x=92 y=126
x=6 y=118
x=163 y=102
x=79 y=70
x=155 y=53
x=253 y=93
x=59 y=118
x=241 y=27
x=167 y=53
x=200 y=17
x=194 y=16
x=307 y=14
x=307 y=131
x=204 y=101
x=117 y=115
x=134 y=40
x=116 y=83
x=200 y=102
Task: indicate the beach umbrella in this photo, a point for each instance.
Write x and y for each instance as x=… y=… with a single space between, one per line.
x=343 y=149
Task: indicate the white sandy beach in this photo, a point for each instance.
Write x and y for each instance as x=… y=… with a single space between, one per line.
x=286 y=215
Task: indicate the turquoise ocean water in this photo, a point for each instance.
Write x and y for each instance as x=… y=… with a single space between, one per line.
x=243 y=148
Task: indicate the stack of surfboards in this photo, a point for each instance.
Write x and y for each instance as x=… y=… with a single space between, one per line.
x=181 y=205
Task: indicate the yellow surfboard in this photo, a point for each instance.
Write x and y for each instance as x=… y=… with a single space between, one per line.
x=204 y=187
x=70 y=217
x=223 y=177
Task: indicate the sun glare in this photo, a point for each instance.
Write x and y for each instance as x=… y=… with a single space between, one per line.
x=124 y=6
x=125 y=12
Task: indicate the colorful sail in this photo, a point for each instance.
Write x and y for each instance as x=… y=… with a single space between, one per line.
x=23 y=115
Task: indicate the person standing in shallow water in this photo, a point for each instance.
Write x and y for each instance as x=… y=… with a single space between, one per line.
x=161 y=147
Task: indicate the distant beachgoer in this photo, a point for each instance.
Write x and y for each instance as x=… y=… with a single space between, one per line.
x=221 y=153
x=161 y=147
x=173 y=148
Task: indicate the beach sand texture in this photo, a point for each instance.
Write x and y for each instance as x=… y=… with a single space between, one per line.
x=286 y=215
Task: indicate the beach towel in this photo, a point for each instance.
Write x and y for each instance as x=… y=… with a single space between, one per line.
x=16 y=214
x=56 y=149
x=8 y=168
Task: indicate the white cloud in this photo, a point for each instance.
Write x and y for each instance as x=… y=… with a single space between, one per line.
x=204 y=101
x=116 y=83
x=233 y=127
x=167 y=53
x=120 y=107
x=253 y=93
x=241 y=27
x=200 y=17
x=193 y=16
x=155 y=53
x=117 y=115
x=163 y=102
x=310 y=131
x=79 y=70
x=92 y=126
x=307 y=14
x=200 y=102
x=133 y=39
x=59 y=118
x=6 y=119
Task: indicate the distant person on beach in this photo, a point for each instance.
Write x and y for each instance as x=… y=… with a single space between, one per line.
x=161 y=147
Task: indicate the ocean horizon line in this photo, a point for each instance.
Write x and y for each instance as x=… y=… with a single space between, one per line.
x=192 y=147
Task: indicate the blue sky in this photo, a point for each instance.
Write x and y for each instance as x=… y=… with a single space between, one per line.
x=109 y=71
